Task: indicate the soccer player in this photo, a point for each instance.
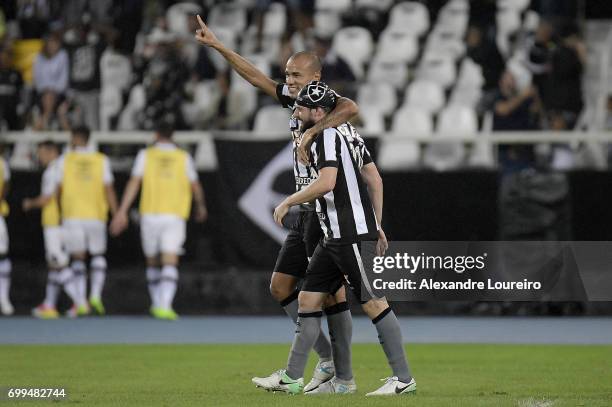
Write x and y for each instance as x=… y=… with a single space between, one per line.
x=5 y=263
x=299 y=245
x=169 y=180
x=58 y=260
x=86 y=195
x=349 y=213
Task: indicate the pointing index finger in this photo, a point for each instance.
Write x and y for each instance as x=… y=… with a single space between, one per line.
x=201 y=22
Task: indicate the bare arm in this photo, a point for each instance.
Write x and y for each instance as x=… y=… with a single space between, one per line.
x=5 y=190
x=372 y=179
x=120 y=218
x=322 y=185
x=506 y=107
x=344 y=111
x=37 y=202
x=201 y=213
x=244 y=68
x=111 y=198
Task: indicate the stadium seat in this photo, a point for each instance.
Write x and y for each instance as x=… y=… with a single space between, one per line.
x=241 y=104
x=115 y=69
x=271 y=49
x=409 y=17
x=355 y=45
x=470 y=74
x=393 y=73
x=110 y=105
x=508 y=21
x=260 y=61
x=437 y=68
x=372 y=119
x=445 y=42
x=531 y=21
x=136 y=102
x=411 y=121
x=397 y=46
x=206 y=99
x=445 y=155
x=377 y=95
x=337 y=6
x=21 y=156
x=228 y=15
x=481 y=155
x=228 y=37
x=396 y=154
x=271 y=120
x=177 y=15
x=275 y=20
x=378 y=5
x=426 y=95
x=454 y=17
x=465 y=96
x=518 y=5
x=326 y=23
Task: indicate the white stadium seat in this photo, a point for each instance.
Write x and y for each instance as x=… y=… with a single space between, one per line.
x=378 y=95
x=411 y=121
x=396 y=154
x=228 y=15
x=241 y=104
x=445 y=42
x=397 y=46
x=275 y=20
x=393 y=73
x=453 y=120
x=373 y=120
x=410 y=17
x=454 y=17
x=271 y=119
x=115 y=69
x=379 y=5
x=270 y=45
x=338 y=6
x=355 y=45
x=228 y=37
x=508 y=21
x=136 y=102
x=260 y=61
x=437 y=68
x=470 y=74
x=518 y=5
x=177 y=15
x=110 y=105
x=326 y=23
x=465 y=96
x=531 y=21
x=426 y=95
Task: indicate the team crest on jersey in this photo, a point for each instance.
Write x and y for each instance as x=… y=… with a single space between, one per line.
x=316 y=92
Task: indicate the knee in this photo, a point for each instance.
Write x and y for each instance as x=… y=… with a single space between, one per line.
x=309 y=302
x=278 y=291
x=374 y=307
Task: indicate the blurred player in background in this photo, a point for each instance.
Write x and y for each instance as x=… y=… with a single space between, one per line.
x=299 y=245
x=5 y=263
x=86 y=195
x=169 y=181
x=58 y=260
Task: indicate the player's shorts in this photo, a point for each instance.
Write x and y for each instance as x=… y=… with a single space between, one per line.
x=299 y=245
x=330 y=262
x=55 y=252
x=162 y=234
x=4 y=237
x=85 y=235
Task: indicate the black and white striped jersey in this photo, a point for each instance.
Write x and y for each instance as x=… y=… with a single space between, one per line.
x=346 y=213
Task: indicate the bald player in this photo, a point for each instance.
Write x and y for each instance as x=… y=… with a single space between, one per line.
x=305 y=233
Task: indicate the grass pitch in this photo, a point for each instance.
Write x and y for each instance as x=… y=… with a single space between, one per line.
x=220 y=375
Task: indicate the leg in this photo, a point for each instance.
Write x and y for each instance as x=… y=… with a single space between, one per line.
x=5 y=271
x=172 y=239
x=74 y=239
x=153 y=280
x=341 y=334
x=96 y=242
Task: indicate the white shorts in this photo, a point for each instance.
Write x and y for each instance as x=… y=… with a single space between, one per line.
x=162 y=234
x=4 y=237
x=85 y=235
x=55 y=252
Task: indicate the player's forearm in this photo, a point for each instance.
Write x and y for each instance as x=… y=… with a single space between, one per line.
x=313 y=191
x=198 y=194
x=373 y=181
x=41 y=201
x=247 y=70
x=129 y=195
x=111 y=198
x=345 y=110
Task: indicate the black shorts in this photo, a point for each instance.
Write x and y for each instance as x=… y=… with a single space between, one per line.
x=299 y=245
x=338 y=261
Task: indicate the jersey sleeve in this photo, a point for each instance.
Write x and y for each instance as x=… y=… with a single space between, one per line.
x=282 y=93
x=139 y=165
x=49 y=181
x=6 y=171
x=327 y=149
x=107 y=173
x=367 y=157
x=192 y=174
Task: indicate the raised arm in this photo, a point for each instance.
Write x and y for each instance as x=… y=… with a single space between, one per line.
x=244 y=68
x=344 y=111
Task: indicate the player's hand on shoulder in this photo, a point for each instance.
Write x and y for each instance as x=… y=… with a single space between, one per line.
x=382 y=245
x=204 y=35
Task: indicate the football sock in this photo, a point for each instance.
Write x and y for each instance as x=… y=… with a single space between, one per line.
x=308 y=329
x=390 y=337
x=340 y=333
x=167 y=286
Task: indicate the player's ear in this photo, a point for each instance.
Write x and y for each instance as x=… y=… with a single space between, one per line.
x=317 y=76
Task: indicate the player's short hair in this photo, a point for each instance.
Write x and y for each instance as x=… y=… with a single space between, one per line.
x=82 y=132
x=164 y=130
x=313 y=59
x=48 y=143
